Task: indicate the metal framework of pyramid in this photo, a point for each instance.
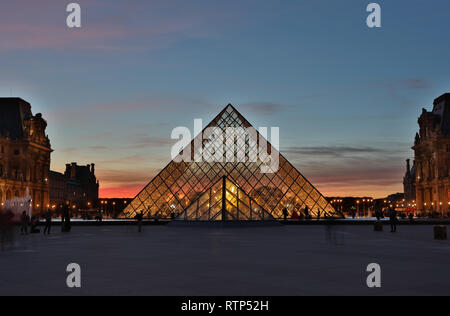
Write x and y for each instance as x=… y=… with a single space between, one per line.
x=180 y=184
x=224 y=201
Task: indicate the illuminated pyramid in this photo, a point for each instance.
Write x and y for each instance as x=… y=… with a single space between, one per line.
x=175 y=189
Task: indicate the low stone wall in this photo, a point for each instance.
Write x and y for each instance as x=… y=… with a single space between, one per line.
x=288 y=222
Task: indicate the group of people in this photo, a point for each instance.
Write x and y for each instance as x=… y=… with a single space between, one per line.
x=33 y=222
x=393 y=217
x=27 y=225
x=140 y=217
x=392 y=213
x=393 y=220
x=303 y=214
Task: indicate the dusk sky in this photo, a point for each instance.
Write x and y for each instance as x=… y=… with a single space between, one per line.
x=346 y=97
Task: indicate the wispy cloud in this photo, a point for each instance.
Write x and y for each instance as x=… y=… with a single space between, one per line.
x=141 y=25
x=408 y=84
x=352 y=169
x=99 y=148
x=333 y=151
x=399 y=90
x=145 y=141
x=129 y=177
x=263 y=108
x=22 y=36
x=154 y=103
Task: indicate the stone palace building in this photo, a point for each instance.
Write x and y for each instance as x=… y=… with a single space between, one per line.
x=77 y=187
x=24 y=154
x=432 y=158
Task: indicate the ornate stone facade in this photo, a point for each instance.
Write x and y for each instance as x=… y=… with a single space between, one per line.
x=77 y=186
x=24 y=154
x=432 y=155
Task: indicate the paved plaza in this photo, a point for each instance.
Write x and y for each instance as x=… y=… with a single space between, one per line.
x=282 y=260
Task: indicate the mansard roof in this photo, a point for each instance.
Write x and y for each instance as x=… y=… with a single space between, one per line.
x=441 y=108
x=13 y=111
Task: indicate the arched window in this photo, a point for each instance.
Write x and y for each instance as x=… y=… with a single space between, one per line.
x=8 y=195
x=1 y=170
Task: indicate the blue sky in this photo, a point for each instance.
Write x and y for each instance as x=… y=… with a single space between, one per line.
x=346 y=97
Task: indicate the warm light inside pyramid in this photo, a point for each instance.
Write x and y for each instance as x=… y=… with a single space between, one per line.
x=224 y=201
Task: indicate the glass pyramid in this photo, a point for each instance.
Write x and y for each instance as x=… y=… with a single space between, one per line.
x=225 y=201
x=180 y=184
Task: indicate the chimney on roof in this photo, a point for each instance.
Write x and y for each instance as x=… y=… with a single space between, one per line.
x=73 y=170
x=408 y=166
x=93 y=168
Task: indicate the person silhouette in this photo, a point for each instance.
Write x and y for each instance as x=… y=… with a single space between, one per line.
x=48 y=222
x=393 y=219
x=34 y=225
x=318 y=214
x=378 y=215
x=139 y=218
x=353 y=212
x=99 y=217
x=24 y=219
x=285 y=214
x=65 y=227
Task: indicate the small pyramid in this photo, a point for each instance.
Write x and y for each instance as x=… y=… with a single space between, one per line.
x=225 y=201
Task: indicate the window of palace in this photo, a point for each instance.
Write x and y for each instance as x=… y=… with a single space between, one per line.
x=448 y=148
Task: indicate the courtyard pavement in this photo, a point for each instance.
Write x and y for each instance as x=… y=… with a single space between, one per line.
x=282 y=260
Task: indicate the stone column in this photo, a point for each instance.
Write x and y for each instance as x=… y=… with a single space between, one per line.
x=419 y=199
